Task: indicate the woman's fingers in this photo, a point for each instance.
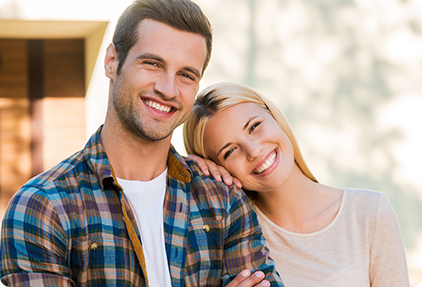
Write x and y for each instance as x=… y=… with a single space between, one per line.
x=200 y=162
x=242 y=276
x=215 y=170
x=208 y=167
x=246 y=279
x=237 y=182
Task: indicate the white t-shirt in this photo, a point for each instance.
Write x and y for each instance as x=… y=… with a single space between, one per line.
x=146 y=199
x=361 y=247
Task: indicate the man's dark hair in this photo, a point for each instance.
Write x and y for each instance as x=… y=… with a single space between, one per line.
x=183 y=15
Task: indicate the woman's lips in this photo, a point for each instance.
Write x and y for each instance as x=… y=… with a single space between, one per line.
x=267 y=163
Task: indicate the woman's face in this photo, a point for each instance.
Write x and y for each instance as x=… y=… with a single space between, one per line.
x=250 y=144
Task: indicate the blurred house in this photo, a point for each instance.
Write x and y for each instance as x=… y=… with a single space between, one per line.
x=347 y=74
x=52 y=90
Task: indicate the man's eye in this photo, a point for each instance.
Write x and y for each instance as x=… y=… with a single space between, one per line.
x=228 y=153
x=151 y=63
x=186 y=75
x=254 y=126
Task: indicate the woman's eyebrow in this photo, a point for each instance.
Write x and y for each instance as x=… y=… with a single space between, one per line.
x=244 y=127
x=248 y=122
x=225 y=146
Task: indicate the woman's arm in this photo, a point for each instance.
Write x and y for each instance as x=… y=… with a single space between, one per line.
x=208 y=167
x=387 y=262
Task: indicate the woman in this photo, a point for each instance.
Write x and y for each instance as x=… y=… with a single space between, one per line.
x=318 y=235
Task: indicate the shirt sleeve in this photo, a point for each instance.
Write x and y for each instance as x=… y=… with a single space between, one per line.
x=33 y=243
x=388 y=266
x=245 y=246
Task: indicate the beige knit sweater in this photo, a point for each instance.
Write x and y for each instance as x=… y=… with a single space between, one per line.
x=361 y=247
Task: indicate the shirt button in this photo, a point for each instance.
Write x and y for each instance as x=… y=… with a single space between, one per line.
x=206 y=228
x=94 y=246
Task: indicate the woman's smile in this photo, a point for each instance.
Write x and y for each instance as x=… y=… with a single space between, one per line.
x=251 y=147
x=268 y=163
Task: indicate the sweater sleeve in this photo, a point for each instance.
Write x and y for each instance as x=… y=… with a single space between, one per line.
x=388 y=266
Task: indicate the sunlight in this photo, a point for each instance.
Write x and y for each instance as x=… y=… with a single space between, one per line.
x=403 y=113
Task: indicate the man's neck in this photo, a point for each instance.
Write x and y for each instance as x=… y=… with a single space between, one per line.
x=134 y=158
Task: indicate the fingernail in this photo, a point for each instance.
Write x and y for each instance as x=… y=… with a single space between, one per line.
x=265 y=283
x=245 y=273
x=259 y=274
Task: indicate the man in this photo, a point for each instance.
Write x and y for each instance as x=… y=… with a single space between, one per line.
x=97 y=218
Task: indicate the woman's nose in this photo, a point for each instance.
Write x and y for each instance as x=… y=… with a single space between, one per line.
x=253 y=150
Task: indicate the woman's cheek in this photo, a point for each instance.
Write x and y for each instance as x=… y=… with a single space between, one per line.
x=236 y=169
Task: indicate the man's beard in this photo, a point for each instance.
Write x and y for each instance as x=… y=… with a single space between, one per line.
x=131 y=118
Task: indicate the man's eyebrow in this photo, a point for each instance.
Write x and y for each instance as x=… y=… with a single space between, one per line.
x=150 y=56
x=193 y=71
x=161 y=60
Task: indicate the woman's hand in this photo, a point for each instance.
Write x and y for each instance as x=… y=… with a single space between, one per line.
x=246 y=279
x=219 y=173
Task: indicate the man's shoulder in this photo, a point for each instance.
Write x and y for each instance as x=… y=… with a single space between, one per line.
x=206 y=188
x=73 y=170
x=69 y=167
x=206 y=182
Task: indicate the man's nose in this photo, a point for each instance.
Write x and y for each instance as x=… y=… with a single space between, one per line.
x=166 y=85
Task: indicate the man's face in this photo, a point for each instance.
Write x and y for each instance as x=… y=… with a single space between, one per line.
x=155 y=90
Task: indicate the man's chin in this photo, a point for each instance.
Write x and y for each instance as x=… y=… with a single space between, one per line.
x=153 y=136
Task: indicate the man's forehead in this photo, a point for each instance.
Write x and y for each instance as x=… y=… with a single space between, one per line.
x=167 y=42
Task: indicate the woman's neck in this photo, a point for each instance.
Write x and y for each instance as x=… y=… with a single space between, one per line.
x=300 y=205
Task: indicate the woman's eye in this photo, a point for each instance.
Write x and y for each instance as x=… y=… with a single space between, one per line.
x=254 y=126
x=226 y=154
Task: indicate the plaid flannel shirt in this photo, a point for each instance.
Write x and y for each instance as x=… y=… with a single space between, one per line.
x=66 y=228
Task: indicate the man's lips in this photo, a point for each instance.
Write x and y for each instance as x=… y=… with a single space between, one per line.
x=267 y=163
x=157 y=106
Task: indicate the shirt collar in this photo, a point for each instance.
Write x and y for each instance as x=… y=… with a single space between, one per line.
x=178 y=167
x=97 y=159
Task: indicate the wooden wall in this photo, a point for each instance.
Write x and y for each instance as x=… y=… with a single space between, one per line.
x=15 y=145
x=42 y=108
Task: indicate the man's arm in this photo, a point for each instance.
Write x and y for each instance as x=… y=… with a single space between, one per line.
x=245 y=245
x=33 y=243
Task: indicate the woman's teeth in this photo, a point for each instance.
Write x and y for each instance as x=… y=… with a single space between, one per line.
x=267 y=164
x=157 y=106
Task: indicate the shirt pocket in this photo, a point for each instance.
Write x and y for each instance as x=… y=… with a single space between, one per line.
x=105 y=252
x=205 y=251
x=96 y=253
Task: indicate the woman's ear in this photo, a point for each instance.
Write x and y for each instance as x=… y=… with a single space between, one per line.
x=111 y=62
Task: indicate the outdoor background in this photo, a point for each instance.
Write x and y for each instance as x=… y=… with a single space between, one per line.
x=347 y=74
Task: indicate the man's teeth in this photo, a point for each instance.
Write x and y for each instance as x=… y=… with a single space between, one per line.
x=267 y=164
x=158 y=107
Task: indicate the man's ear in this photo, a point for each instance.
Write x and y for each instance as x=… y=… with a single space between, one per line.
x=111 y=62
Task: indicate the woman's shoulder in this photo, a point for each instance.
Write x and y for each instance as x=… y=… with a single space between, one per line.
x=365 y=201
x=359 y=194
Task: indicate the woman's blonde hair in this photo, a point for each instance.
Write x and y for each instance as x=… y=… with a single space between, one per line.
x=220 y=96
